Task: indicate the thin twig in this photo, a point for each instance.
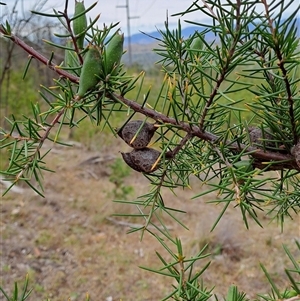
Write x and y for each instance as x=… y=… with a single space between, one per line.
x=235 y=180
x=183 y=141
x=281 y=64
x=224 y=69
x=263 y=157
x=210 y=9
x=41 y=142
x=132 y=225
x=69 y=28
x=40 y=57
x=286 y=160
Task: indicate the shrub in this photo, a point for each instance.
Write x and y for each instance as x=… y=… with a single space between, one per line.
x=227 y=113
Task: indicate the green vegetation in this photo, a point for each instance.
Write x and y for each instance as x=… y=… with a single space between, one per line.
x=227 y=115
x=119 y=172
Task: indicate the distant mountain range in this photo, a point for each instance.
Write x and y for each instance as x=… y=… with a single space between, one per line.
x=149 y=38
x=144 y=43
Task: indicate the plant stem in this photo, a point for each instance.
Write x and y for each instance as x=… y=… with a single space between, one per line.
x=263 y=158
x=40 y=57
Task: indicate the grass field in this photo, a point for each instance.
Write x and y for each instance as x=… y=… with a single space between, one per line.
x=69 y=245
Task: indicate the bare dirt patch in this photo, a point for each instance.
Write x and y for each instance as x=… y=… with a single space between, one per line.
x=68 y=246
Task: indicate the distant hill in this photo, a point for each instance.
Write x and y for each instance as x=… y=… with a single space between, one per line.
x=149 y=38
x=144 y=43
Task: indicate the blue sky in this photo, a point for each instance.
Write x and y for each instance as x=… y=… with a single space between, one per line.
x=151 y=13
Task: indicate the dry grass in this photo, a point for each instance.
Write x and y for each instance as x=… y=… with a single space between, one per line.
x=68 y=247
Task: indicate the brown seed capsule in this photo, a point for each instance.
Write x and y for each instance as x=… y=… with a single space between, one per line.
x=144 y=132
x=145 y=159
x=142 y=160
x=260 y=138
x=127 y=159
x=295 y=151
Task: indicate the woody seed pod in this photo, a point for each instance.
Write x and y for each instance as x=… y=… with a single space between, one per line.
x=295 y=151
x=260 y=138
x=137 y=133
x=143 y=160
x=114 y=52
x=79 y=23
x=91 y=70
x=128 y=160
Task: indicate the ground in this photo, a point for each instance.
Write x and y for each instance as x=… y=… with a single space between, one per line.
x=69 y=245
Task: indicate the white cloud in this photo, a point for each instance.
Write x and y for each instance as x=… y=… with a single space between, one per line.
x=151 y=13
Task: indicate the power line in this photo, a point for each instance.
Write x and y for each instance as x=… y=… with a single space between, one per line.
x=128 y=27
x=148 y=8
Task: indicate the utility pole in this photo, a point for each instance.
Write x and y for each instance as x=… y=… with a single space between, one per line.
x=128 y=28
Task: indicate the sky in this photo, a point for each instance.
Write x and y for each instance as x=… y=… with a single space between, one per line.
x=151 y=14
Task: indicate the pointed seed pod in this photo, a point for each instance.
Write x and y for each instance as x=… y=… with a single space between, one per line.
x=91 y=70
x=244 y=165
x=197 y=43
x=137 y=133
x=289 y=294
x=79 y=23
x=114 y=52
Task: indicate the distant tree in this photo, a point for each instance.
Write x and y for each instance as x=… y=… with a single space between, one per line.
x=31 y=28
x=227 y=113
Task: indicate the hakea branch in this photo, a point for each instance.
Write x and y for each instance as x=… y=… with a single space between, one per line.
x=69 y=28
x=262 y=158
x=225 y=68
x=209 y=8
x=169 y=155
x=235 y=180
x=262 y=55
x=41 y=142
x=40 y=57
x=182 y=143
x=281 y=65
